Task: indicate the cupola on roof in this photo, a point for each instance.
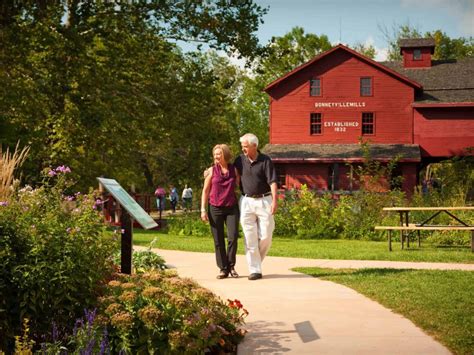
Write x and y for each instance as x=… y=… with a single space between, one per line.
x=416 y=43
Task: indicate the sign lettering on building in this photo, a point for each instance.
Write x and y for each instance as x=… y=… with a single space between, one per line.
x=341 y=126
x=339 y=104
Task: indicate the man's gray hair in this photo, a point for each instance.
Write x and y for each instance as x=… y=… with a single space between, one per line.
x=250 y=138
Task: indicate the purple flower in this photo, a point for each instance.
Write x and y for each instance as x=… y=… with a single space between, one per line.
x=78 y=325
x=68 y=230
x=70 y=198
x=90 y=316
x=104 y=344
x=63 y=169
x=3 y=203
x=55 y=332
x=51 y=173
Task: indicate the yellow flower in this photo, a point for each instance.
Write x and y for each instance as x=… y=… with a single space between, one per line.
x=128 y=285
x=122 y=320
x=114 y=283
x=113 y=309
x=150 y=315
x=152 y=292
x=128 y=296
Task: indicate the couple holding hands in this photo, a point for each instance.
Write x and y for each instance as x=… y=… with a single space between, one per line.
x=255 y=174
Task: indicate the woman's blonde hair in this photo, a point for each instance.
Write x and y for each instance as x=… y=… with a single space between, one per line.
x=225 y=150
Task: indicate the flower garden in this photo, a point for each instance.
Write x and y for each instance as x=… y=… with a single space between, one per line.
x=61 y=292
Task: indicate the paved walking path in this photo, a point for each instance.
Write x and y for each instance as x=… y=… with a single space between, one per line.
x=291 y=313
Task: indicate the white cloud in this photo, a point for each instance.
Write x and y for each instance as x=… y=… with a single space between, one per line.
x=461 y=10
x=380 y=53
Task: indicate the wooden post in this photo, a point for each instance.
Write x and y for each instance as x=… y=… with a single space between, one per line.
x=472 y=241
x=126 y=243
x=407 y=232
x=402 y=233
x=390 y=240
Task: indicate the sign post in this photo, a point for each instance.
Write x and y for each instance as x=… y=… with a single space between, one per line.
x=131 y=210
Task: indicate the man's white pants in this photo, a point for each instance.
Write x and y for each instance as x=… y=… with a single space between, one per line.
x=258 y=224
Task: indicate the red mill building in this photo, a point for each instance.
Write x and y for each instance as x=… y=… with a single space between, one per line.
x=421 y=109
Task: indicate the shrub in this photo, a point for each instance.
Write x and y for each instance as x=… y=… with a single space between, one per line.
x=54 y=257
x=304 y=214
x=157 y=312
x=358 y=213
x=144 y=260
x=188 y=224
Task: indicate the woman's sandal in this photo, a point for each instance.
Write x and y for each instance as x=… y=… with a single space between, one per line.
x=233 y=273
x=223 y=274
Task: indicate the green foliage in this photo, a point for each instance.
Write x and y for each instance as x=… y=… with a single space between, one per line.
x=157 y=312
x=366 y=50
x=188 y=224
x=144 y=260
x=305 y=214
x=376 y=176
x=362 y=210
x=103 y=86
x=54 y=256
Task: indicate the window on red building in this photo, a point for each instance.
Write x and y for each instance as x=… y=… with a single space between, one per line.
x=417 y=54
x=365 y=86
x=315 y=124
x=315 y=87
x=368 y=123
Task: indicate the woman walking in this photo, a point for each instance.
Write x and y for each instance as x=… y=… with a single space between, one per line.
x=219 y=192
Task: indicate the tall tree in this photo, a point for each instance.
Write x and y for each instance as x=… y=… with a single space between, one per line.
x=364 y=49
x=100 y=86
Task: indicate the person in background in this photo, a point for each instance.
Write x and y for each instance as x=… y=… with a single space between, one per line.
x=219 y=192
x=174 y=197
x=187 y=197
x=258 y=203
x=160 y=194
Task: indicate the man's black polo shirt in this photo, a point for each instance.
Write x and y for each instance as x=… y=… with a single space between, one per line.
x=255 y=177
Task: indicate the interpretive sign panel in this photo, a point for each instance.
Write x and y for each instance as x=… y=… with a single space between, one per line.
x=126 y=201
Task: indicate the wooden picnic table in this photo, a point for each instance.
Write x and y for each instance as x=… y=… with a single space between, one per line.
x=405 y=226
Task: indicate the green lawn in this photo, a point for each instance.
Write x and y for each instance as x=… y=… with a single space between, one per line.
x=317 y=249
x=439 y=302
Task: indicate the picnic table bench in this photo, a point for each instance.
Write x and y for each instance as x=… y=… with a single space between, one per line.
x=405 y=226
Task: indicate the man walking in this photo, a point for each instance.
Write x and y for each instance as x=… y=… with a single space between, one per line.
x=258 y=204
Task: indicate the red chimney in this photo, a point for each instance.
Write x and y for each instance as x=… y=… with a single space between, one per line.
x=416 y=52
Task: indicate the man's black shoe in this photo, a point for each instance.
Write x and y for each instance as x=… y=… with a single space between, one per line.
x=255 y=276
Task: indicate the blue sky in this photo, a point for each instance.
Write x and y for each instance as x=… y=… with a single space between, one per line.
x=354 y=21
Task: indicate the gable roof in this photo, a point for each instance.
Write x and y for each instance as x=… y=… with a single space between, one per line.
x=354 y=53
x=444 y=81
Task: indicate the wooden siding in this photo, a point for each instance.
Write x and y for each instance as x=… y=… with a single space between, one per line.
x=315 y=176
x=340 y=72
x=443 y=132
x=424 y=62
